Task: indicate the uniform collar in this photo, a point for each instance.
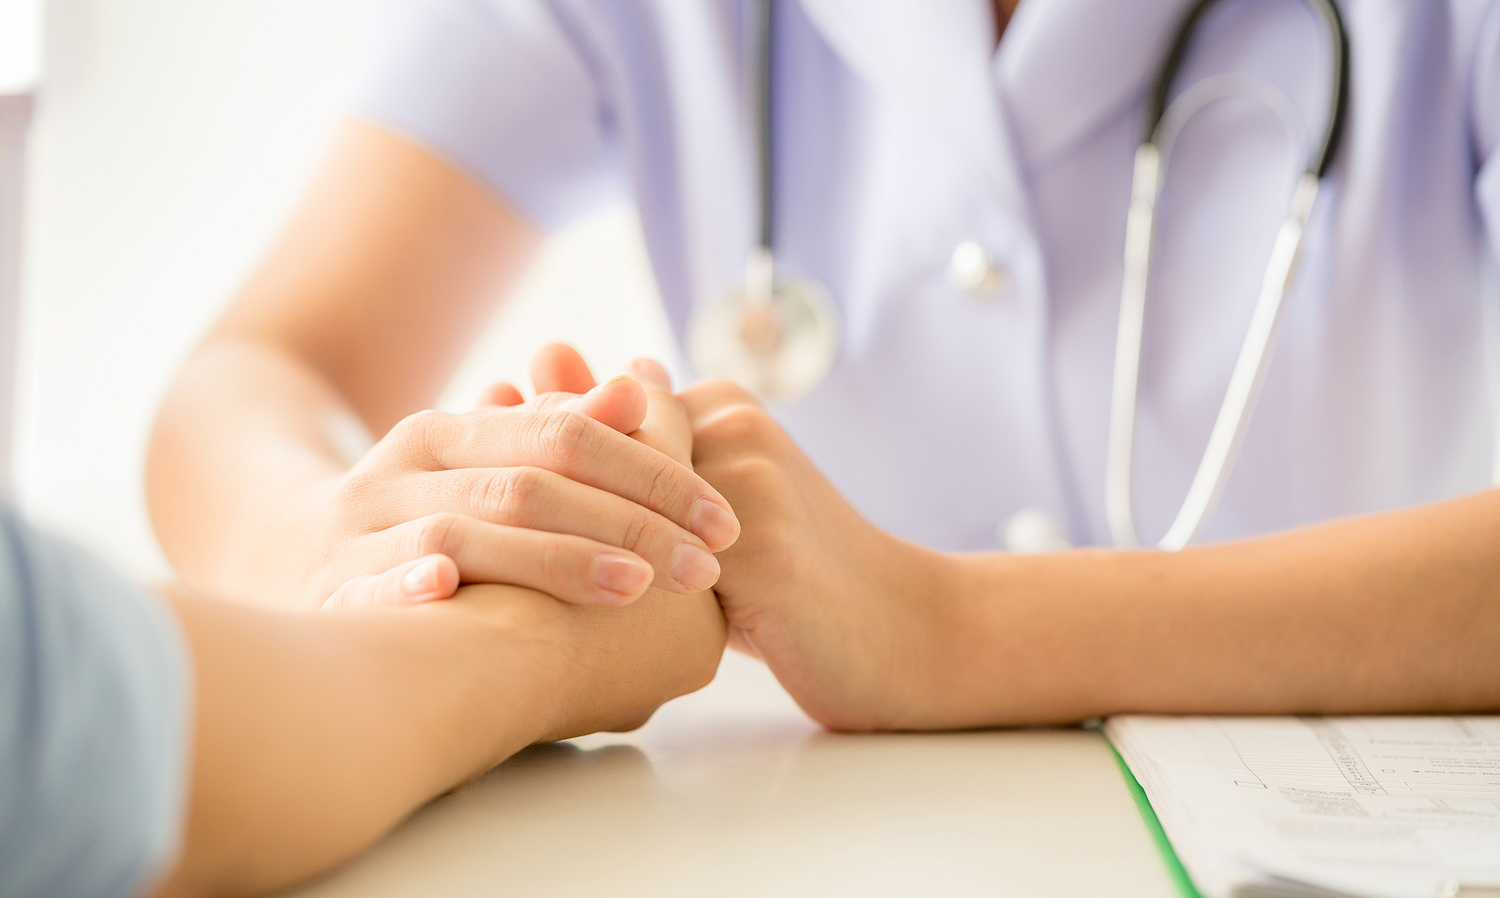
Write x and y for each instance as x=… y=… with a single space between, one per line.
x=937 y=59
x=1066 y=65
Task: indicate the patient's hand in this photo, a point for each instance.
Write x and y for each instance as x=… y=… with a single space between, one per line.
x=842 y=612
x=551 y=495
x=591 y=668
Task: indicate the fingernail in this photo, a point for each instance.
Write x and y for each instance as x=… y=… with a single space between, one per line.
x=622 y=574
x=694 y=568
x=421 y=579
x=712 y=524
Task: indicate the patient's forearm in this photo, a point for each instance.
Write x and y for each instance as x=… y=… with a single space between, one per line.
x=1389 y=613
x=317 y=733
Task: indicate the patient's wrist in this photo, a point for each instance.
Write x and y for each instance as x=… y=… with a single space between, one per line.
x=526 y=643
x=570 y=670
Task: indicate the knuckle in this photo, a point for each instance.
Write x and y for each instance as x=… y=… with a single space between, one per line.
x=742 y=424
x=555 y=563
x=564 y=438
x=434 y=534
x=359 y=492
x=510 y=496
x=755 y=475
x=414 y=436
x=663 y=489
x=637 y=528
x=416 y=424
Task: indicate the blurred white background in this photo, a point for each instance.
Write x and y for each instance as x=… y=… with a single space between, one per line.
x=20 y=44
x=171 y=138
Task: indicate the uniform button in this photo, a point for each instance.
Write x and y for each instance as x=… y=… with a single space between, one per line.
x=972 y=270
x=1031 y=531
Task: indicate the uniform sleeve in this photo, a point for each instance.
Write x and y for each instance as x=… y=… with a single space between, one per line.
x=505 y=90
x=93 y=724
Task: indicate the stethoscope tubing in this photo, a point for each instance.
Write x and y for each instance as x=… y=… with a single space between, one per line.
x=1333 y=130
x=765 y=142
x=1250 y=367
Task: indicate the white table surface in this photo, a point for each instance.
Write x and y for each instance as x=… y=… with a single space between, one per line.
x=732 y=791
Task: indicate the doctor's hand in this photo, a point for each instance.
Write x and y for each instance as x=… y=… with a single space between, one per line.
x=846 y=616
x=559 y=373
x=551 y=495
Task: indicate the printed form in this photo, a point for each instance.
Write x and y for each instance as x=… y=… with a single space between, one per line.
x=1385 y=807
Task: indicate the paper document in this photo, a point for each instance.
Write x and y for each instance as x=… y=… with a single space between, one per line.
x=1384 y=807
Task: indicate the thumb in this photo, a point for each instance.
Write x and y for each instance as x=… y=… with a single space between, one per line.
x=412 y=583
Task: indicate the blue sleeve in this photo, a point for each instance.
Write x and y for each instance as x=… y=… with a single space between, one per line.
x=94 y=699
x=504 y=90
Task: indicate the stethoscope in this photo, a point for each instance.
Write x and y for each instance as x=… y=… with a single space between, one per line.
x=779 y=337
x=1162 y=127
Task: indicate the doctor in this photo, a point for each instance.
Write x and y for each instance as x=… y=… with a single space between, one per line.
x=957 y=176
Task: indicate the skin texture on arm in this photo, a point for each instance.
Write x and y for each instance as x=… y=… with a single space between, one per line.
x=1394 y=612
x=261 y=480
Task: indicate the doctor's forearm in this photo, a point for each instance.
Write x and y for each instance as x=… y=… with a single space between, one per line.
x=355 y=319
x=243 y=447
x=1398 y=612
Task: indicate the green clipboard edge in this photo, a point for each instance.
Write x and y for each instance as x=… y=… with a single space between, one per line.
x=1153 y=825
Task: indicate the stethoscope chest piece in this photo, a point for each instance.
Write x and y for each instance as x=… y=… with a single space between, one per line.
x=778 y=339
x=775 y=336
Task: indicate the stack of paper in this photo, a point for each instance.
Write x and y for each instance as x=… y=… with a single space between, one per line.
x=1385 y=807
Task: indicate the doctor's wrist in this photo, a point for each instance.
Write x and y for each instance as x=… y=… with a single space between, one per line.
x=930 y=596
x=975 y=654
x=905 y=659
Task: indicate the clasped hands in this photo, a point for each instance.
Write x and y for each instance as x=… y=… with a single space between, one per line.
x=626 y=496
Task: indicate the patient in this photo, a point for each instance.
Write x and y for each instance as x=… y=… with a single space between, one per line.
x=202 y=747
